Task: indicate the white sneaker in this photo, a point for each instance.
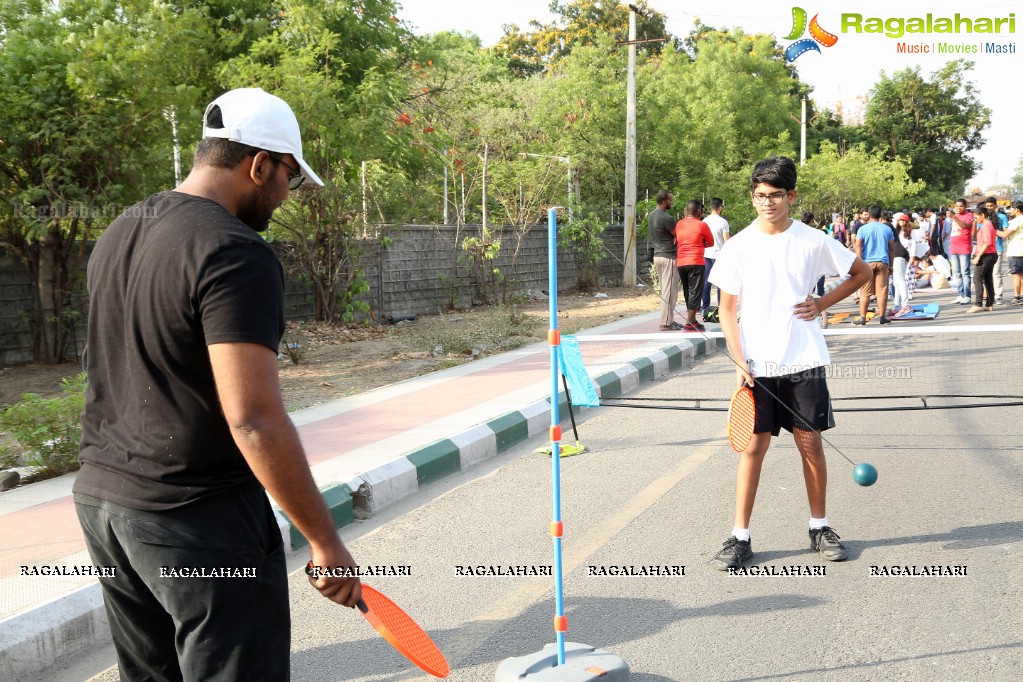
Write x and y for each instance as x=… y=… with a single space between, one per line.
x=957 y=299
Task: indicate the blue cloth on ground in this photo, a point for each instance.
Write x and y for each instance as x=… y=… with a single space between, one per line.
x=925 y=311
x=579 y=385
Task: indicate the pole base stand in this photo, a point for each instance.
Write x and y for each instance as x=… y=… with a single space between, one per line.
x=583 y=663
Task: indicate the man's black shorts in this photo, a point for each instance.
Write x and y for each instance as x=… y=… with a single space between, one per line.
x=691 y=277
x=805 y=393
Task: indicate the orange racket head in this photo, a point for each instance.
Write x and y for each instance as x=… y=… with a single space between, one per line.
x=398 y=628
x=742 y=415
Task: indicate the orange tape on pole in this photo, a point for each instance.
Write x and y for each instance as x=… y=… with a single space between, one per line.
x=556 y=434
x=557 y=529
x=554 y=337
x=561 y=623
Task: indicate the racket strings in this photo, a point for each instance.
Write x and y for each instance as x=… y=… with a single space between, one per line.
x=741 y=419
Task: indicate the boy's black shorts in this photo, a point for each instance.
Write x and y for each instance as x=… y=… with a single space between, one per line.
x=806 y=393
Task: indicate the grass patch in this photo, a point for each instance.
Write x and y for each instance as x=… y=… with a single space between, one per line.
x=44 y=432
x=489 y=331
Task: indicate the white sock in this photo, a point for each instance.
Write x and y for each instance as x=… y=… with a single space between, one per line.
x=741 y=534
x=817 y=524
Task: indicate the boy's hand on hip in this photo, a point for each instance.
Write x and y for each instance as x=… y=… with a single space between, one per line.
x=808 y=310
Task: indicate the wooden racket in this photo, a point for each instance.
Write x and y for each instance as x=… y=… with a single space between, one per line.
x=742 y=415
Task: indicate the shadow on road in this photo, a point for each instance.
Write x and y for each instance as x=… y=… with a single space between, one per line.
x=600 y=622
x=967 y=537
x=815 y=673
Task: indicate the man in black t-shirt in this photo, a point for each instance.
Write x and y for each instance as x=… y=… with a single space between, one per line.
x=184 y=431
x=662 y=233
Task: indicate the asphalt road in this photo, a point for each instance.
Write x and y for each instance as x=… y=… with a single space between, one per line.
x=657 y=488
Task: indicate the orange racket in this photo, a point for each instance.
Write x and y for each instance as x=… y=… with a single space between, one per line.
x=398 y=628
x=742 y=415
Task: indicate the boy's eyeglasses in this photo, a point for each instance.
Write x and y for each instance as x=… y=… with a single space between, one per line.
x=774 y=198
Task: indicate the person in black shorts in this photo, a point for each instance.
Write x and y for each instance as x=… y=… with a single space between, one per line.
x=770 y=266
x=692 y=237
x=184 y=431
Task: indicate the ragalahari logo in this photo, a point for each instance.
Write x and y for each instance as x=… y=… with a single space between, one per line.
x=804 y=45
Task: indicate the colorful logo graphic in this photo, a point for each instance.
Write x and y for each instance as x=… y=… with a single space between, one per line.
x=804 y=45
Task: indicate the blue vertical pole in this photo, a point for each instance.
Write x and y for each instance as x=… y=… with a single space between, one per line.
x=554 y=339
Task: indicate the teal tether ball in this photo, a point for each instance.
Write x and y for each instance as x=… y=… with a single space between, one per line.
x=864 y=474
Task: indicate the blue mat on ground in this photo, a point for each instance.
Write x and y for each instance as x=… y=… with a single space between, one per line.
x=923 y=311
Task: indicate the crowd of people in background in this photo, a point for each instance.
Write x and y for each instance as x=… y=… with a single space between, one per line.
x=964 y=250
x=958 y=248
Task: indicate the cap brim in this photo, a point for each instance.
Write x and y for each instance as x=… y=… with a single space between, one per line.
x=308 y=172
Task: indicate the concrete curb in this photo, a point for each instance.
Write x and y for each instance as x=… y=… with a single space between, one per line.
x=33 y=640
x=378 y=488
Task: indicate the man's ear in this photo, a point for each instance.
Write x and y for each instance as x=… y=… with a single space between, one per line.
x=258 y=171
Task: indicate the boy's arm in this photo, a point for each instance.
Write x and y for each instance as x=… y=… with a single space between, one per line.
x=727 y=308
x=858 y=247
x=812 y=307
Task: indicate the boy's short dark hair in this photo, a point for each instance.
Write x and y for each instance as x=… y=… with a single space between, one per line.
x=776 y=171
x=716 y=203
x=1018 y=205
x=875 y=212
x=694 y=207
x=662 y=196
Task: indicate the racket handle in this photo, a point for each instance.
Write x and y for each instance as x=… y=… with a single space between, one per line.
x=362 y=606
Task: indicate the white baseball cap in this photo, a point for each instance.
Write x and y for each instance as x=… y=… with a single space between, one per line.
x=256 y=118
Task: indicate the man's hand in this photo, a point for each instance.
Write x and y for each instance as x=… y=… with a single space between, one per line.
x=808 y=310
x=342 y=590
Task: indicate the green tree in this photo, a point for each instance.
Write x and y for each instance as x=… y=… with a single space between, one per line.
x=577 y=22
x=709 y=119
x=90 y=92
x=933 y=123
x=346 y=74
x=1017 y=176
x=832 y=182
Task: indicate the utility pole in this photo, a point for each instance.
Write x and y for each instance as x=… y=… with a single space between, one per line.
x=486 y=153
x=802 y=131
x=629 y=274
x=172 y=116
x=802 y=134
x=445 y=191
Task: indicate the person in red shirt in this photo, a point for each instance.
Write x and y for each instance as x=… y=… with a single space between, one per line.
x=984 y=257
x=692 y=236
x=961 y=245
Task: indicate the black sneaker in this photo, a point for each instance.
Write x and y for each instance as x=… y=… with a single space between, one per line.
x=825 y=541
x=860 y=321
x=733 y=555
x=883 y=320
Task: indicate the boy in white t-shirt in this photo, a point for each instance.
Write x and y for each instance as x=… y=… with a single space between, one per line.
x=771 y=266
